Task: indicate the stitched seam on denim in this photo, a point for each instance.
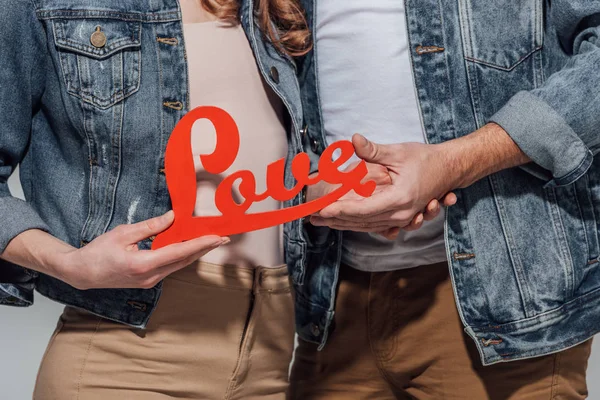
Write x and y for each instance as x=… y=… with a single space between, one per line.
x=538 y=40
x=506 y=69
x=89 y=139
x=569 y=274
x=116 y=178
x=591 y=201
x=552 y=316
x=124 y=16
x=334 y=285
x=85 y=357
x=473 y=77
x=157 y=178
x=552 y=204
x=106 y=52
x=524 y=290
x=467 y=45
x=588 y=159
x=110 y=179
x=582 y=220
x=90 y=98
x=447 y=68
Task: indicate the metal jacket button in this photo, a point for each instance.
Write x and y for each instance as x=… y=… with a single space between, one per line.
x=314 y=146
x=304 y=131
x=274 y=75
x=98 y=38
x=314 y=329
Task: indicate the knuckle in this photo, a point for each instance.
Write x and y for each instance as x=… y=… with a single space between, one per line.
x=138 y=269
x=120 y=230
x=150 y=225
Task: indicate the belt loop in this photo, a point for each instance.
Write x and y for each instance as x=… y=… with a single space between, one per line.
x=258 y=279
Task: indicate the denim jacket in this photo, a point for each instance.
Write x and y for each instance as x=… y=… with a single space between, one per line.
x=522 y=244
x=88 y=118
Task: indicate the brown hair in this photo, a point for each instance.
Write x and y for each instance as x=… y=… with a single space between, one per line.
x=282 y=21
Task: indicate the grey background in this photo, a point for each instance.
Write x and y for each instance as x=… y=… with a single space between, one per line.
x=24 y=334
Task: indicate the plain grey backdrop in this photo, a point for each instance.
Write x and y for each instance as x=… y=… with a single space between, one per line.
x=25 y=332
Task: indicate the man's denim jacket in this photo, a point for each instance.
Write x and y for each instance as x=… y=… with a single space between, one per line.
x=522 y=244
x=89 y=125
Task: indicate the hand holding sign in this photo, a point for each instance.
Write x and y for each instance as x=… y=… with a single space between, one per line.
x=417 y=176
x=181 y=181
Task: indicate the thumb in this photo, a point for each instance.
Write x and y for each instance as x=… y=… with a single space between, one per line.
x=367 y=150
x=150 y=227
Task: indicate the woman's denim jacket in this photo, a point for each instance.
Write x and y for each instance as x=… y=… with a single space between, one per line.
x=522 y=244
x=89 y=125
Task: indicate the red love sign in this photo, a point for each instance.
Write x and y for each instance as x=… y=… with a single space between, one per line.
x=181 y=182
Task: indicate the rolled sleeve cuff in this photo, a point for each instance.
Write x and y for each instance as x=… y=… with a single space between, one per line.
x=16 y=283
x=16 y=295
x=17 y=216
x=546 y=138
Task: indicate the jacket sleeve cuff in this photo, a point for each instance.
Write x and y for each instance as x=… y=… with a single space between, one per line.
x=545 y=137
x=17 y=216
x=16 y=295
x=16 y=283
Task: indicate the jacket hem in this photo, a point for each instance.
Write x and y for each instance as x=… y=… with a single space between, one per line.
x=551 y=332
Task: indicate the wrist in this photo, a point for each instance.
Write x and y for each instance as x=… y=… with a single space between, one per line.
x=479 y=154
x=62 y=263
x=53 y=258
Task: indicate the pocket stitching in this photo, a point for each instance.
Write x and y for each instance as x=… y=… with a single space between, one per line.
x=502 y=68
x=87 y=97
x=536 y=36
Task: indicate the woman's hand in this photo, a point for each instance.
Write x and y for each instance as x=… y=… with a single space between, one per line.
x=113 y=259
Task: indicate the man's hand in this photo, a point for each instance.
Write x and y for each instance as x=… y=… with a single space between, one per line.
x=419 y=173
x=380 y=175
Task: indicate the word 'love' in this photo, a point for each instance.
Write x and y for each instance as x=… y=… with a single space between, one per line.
x=181 y=182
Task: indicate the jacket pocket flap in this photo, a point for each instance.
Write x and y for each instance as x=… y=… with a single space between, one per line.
x=96 y=38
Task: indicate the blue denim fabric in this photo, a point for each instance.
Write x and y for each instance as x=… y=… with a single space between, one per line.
x=522 y=244
x=89 y=126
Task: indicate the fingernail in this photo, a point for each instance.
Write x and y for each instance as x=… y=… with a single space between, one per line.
x=362 y=140
x=168 y=215
x=225 y=241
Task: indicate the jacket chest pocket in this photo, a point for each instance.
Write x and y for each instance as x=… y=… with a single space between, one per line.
x=100 y=58
x=501 y=33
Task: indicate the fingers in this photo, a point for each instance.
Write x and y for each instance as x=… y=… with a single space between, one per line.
x=415 y=224
x=450 y=199
x=181 y=251
x=343 y=225
x=134 y=233
x=369 y=151
x=164 y=271
x=432 y=210
x=377 y=173
x=390 y=234
x=360 y=209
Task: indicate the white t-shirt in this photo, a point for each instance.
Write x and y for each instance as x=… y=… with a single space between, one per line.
x=366 y=86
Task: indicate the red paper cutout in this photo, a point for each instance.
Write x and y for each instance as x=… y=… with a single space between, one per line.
x=181 y=182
